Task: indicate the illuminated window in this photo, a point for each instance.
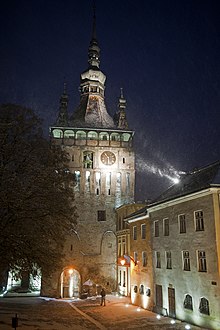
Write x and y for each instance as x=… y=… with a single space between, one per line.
x=101 y=216
x=135 y=233
x=168 y=260
x=156 y=229
x=88 y=159
x=166 y=227
x=199 y=222
x=202 y=266
x=182 y=223
x=144 y=258
x=158 y=260
x=188 y=304
x=143 y=231
x=186 y=260
x=204 y=306
x=92 y=136
x=87 y=181
x=108 y=183
x=77 y=180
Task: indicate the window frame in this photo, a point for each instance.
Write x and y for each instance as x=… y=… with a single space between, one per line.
x=182 y=223
x=166 y=227
x=202 y=261
x=143 y=231
x=199 y=220
x=186 y=260
x=158 y=259
x=188 y=302
x=156 y=228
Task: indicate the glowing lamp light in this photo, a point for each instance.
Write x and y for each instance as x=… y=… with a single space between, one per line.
x=70 y=271
x=122 y=262
x=172 y=321
x=175 y=180
x=158 y=317
x=138 y=309
x=187 y=326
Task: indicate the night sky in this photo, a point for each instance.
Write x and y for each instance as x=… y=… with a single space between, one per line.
x=165 y=55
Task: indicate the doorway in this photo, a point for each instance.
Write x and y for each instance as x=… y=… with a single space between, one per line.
x=172 y=302
x=70 y=283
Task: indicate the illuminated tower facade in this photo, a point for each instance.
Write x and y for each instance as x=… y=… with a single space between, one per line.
x=101 y=159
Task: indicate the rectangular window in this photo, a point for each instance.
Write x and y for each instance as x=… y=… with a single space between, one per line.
x=135 y=257
x=143 y=231
x=144 y=258
x=199 y=221
x=123 y=246
x=168 y=260
x=158 y=260
x=186 y=260
x=101 y=215
x=108 y=183
x=88 y=181
x=156 y=229
x=119 y=277
x=127 y=183
x=77 y=180
x=124 y=276
x=166 y=227
x=135 y=233
x=119 y=247
x=202 y=267
x=182 y=223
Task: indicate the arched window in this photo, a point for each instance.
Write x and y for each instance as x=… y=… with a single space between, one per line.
x=126 y=137
x=104 y=136
x=188 y=304
x=69 y=134
x=80 y=135
x=115 y=137
x=92 y=135
x=57 y=133
x=204 y=306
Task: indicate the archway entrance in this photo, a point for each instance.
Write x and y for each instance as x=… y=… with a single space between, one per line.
x=70 y=283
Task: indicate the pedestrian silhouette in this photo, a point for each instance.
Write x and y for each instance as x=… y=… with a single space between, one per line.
x=103 y=294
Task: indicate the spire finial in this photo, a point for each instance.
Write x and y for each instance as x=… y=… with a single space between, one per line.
x=122 y=96
x=94 y=21
x=94 y=50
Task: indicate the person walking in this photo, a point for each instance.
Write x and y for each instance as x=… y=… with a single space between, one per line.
x=103 y=294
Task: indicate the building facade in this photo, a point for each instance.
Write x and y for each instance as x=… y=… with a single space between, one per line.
x=101 y=159
x=141 y=269
x=123 y=247
x=185 y=242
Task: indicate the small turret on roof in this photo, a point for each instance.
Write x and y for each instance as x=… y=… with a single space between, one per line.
x=62 y=119
x=120 y=116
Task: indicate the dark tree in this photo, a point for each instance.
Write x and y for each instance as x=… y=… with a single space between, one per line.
x=36 y=197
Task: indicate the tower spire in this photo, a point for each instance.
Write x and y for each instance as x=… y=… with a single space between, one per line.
x=62 y=119
x=120 y=117
x=94 y=50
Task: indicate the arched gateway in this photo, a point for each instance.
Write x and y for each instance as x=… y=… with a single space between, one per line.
x=70 y=281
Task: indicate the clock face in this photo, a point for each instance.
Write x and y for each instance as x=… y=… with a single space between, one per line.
x=108 y=158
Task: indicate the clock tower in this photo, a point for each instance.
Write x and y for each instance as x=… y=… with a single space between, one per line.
x=101 y=159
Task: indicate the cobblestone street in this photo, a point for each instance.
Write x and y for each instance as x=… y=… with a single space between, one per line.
x=53 y=314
